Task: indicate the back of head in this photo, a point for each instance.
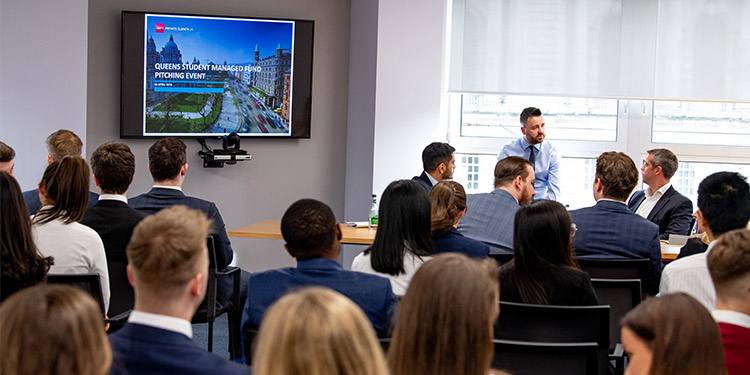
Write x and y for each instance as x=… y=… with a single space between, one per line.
x=724 y=201
x=446 y=317
x=20 y=263
x=317 y=331
x=729 y=264
x=66 y=190
x=529 y=112
x=167 y=250
x=63 y=143
x=165 y=158
x=617 y=173
x=309 y=229
x=667 y=160
x=672 y=325
x=114 y=166
x=7 y=153
x=53 y=329
x=541 y=245
x=506 y=170
x=403 y=225
x=448 y=199
x=436 y=153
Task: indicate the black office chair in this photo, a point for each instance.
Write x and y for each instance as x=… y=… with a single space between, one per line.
x=502 y=258
x=617 y=269
x=208 y=310
x=532 y=358
x=87 y=282
x=556 y=324
x=385 y=343
x=621 y=296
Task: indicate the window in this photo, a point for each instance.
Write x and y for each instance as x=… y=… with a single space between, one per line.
x=701 y=123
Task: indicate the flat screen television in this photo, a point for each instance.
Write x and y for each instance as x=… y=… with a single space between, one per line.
x=202 y=76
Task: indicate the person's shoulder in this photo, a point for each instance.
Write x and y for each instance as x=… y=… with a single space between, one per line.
x=695 y=261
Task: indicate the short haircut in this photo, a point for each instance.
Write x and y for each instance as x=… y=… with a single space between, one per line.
x=729 y=264
x=667 y=160
x=53 y=329
x=7 y=153
x=617 y=173
x=63 y=143
x=66 y=185
x=436 y=153
x=114 y=165
x=317 y=331
x=446 y=317
x=309 y=228
x=724 y=201
x=166 y=157
x=166 y=248
x=506 y=170
x=448 y=199
x=529 y=112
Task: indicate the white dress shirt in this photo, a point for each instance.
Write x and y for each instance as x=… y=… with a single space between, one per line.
x=113 y=197
x=690 y=275
x=650 y=201
x=732 y=317
x=169 y=323
x=76 y=248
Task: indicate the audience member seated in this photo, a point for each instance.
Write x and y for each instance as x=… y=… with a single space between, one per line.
x=729 y=264
x=168 y=166
x=317 y=331
x=20 y=264
x=114 y=166
x=313 y=237
x=60 y=144
x=53 y=329
x=723 y=205
x=168 y=267
x=438 y=162
x=489 y=216
x=445 y=319
x=7 y=154
x=696 y=244
x=448 y=200
x=672 y=334
x=544 y=270
x=661 y=203
x=402 y=242
x=75 y=248
x=608 y=229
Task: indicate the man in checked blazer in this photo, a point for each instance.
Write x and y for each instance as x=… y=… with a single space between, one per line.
x=609 y=229
x=489 y=216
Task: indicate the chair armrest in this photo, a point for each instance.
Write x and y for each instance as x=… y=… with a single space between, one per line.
x=234 y=272
x=119 y=318
x=618 y=355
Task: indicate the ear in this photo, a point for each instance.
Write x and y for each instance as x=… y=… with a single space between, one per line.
x=658 y=170
x=339 y=234
x=197 y=286
x=96 y=180
x=441 y=168
x=523 y=130
x=130 y=274
x=49 y=160
x=518 y=183
x=183 y=169
x=461 y=214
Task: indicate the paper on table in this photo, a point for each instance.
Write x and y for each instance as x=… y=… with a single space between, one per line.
x=357 y=224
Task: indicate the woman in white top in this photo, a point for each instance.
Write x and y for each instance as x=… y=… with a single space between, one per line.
x=75 y=247
x=402 y=242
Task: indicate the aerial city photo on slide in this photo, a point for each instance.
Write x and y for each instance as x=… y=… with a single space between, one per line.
x=217 y=75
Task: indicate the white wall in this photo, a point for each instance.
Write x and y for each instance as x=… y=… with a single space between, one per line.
x=42 y=78
x=409 y=87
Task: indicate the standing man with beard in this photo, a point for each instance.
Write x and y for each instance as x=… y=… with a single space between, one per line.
x=438 y=162
x=542 y=155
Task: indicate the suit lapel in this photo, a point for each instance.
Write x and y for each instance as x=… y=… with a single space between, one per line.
x=661 y=203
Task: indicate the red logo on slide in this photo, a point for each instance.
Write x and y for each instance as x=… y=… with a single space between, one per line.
x=159 y=27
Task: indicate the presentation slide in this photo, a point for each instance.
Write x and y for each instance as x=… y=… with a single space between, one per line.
x=208 y=75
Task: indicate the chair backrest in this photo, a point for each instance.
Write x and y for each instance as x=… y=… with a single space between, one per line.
x=555 y=324
x=204 y=314
x=531 y=358
x=122 y=297
x=616 y=268
x=87 y=282
x=621 y=296
x=502 y=258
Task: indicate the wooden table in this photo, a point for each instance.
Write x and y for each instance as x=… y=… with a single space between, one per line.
x=272 y=229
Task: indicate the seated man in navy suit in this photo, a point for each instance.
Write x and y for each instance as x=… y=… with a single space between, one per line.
x=60 y=144
x=438 y=163
x=167 y=162
x=661 y=203
x=608 y=229
x=168 y=267
x=313 y=237
x=113 y=165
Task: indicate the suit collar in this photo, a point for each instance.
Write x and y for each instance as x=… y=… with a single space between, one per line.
x=319 y=263
x=110 y=203
x=504 y=193
x=612 y=205
x=161 y=191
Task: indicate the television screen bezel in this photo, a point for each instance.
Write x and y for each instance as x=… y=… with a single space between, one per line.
x=132 y=77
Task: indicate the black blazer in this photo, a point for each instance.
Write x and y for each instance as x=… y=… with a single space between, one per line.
x=423 y=180
x=565 y=287
x=672 y=213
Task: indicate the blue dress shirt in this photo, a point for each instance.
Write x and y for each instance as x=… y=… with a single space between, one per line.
x=546 y=167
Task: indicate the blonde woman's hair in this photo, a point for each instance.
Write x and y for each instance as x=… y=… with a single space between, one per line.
x=52 y=329
x=317 y=331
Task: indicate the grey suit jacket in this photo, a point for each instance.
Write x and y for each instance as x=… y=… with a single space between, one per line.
x=489 y=218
